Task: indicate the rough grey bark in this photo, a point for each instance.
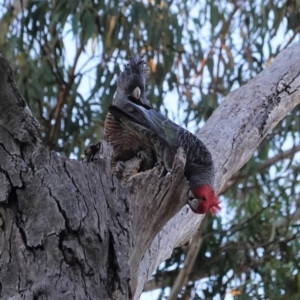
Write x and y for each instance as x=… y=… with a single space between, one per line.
x=71 y=230
x=67 y=228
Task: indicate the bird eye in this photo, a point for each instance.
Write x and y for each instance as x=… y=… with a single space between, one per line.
x=204 y=199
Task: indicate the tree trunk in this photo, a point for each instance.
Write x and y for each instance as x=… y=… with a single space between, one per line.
x=71 y=230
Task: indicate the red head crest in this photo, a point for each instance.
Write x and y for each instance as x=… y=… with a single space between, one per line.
x=207 y=200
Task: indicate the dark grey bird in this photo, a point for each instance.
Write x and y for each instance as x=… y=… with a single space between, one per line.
x=157 y=132
x=130 y=85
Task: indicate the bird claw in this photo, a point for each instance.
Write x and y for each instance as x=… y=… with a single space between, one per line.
x=193 y=204
x=147 y=159
x=158 y=164
x=160 y=169
x=119 y=168
x=142 y=155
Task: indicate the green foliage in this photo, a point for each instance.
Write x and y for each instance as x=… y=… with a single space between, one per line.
x=66 y=55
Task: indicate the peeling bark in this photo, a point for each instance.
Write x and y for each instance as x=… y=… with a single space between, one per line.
x=80 y=230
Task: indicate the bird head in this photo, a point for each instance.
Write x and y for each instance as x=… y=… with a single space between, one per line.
x=206 y=200
x=131 y=83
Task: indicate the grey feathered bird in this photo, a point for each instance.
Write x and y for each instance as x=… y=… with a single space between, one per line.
x=130 y=84
x=165 y=137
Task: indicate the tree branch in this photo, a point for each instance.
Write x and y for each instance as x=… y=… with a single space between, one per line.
x=207 y=269
x=63 y=98
x=232 y=134
x=85 y=232
x=262 y=167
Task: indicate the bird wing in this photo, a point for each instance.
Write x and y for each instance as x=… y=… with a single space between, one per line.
x=195 y=149
x=148 y=118
x=134 y=122
x=143 y=130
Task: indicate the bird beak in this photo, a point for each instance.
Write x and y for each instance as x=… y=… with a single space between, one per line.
x=136 y=93
x=194 y=203
x=191 y=195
